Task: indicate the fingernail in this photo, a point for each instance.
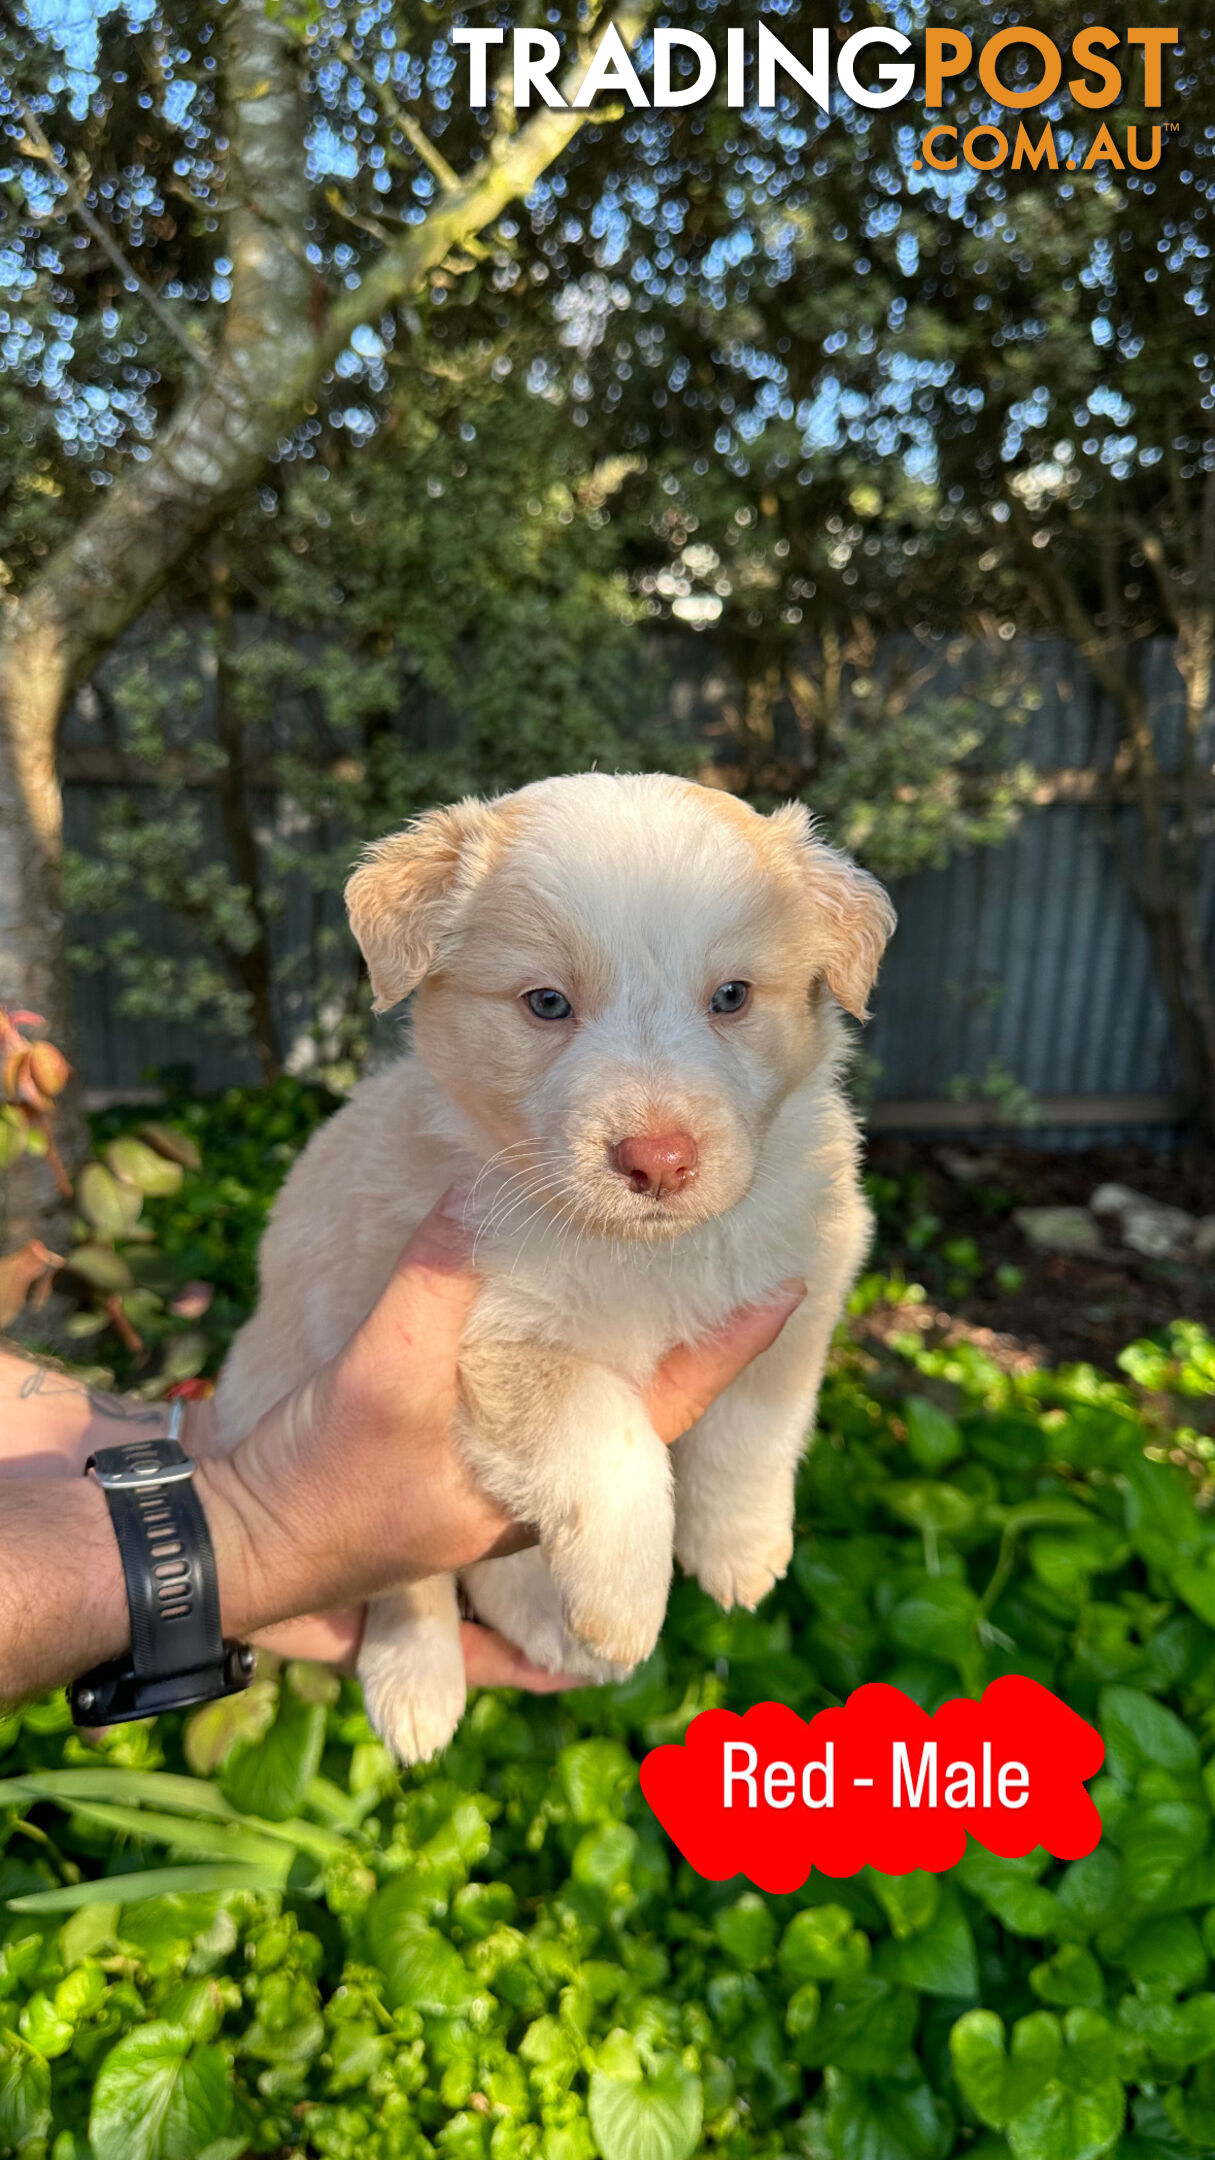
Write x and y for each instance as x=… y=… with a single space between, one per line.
x=455 y=1202
x=792 y=1290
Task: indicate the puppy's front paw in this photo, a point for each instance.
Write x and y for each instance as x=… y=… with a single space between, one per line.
x=414 y=1688
x=614 y=1604
x=737 y=1570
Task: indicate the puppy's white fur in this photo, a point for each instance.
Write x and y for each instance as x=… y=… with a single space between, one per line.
x=635 y=897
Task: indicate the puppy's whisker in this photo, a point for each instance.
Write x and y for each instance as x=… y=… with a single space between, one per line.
x=498 y=1219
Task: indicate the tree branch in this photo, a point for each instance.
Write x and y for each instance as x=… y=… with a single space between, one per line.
x=393 y=111
x=40 y=146
x=512 y=168
x=276 y=343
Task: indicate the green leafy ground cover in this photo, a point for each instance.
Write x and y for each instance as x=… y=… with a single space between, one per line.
x=245 y=1932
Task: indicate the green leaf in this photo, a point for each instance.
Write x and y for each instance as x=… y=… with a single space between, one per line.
x=1138 y=1731
x=940 y=1960
x=823 y=1944
x=1166 y=1954
x=313 y=1683
x=1157 y=1843
x=746 y=1931
x=929 y=1507
x=422 y=1969
x=1010 y=1891
x=148 y=1883
x=596 y=1774
x=1177 y=2034
x=866 y=2028
x=151 y=1788
x=933 y=1438
x=1194 y=1580
x=89 y=1931
x=270 y=1776
x=43 y=2028
x=25 y=2098
x=908 y=1901
x=150 y=1173
x=603 y=1857
x=14 y=1133
x=214 y=1731
x=177 y=1146
x=1071 y=1976
x=938 y=1620
x=655 y=2117
x=156 y=2098
x=100 y=1267
x=207 y=1839
x=111 y=1208
x=896 y=2119
x=1064 y=2125
x=1000 y=2085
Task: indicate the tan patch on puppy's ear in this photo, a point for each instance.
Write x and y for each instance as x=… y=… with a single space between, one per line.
x=854 y=914
x=403 y=897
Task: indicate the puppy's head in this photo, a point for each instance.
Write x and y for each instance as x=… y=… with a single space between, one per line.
x=620 y=980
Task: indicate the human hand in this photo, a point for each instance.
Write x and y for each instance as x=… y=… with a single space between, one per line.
x=354 y=1482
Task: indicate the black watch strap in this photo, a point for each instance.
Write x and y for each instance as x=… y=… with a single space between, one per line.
x=178 y=1653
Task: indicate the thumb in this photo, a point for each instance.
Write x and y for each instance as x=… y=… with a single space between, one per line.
x=419 y=1319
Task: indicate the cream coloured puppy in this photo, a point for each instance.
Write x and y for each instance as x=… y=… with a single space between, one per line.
x=627 y=1040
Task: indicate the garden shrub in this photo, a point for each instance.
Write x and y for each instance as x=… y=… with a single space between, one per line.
x=246 y=1931
x=208 y=1230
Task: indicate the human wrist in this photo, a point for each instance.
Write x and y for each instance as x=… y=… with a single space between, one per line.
x=258 y=1572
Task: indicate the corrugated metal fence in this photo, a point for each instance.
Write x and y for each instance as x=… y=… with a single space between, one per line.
x=1023 y=963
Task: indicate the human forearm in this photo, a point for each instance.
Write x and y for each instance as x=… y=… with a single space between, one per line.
x=51 y=1421
x=63 y=1605
x=62 y=1601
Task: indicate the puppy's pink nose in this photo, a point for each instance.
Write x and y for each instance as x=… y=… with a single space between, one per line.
x=656 y=1162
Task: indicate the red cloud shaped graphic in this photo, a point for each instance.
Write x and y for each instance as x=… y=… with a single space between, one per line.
x=878 y=1782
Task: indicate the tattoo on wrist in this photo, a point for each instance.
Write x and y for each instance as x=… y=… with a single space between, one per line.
x=119 y=1409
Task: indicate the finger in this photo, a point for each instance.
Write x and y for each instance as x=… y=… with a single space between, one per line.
x=431 y=1290
x=491 y=1661
x=693 y=1374
x=330 y=1638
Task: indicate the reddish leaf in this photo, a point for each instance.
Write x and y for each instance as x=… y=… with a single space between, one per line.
x=23 y=1272
x=49 y=1069
x=194 y=1301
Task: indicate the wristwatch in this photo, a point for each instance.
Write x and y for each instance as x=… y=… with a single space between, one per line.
x=178 y=1653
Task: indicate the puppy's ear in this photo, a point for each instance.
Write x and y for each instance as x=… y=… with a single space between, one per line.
x=403 y=896
x=854 y=917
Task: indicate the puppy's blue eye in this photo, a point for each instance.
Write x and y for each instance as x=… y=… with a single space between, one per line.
x=730 y=997
x=549 y=1005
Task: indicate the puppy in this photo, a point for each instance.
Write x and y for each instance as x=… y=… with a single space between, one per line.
x=627 y=1038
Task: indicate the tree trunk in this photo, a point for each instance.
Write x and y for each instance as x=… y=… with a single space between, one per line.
x=33 y=956
x=232 y=415
x=251 y=968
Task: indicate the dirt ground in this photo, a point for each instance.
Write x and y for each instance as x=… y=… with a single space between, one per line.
x=1067 y=1306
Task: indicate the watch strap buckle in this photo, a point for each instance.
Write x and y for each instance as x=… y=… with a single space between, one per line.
x=140 y=1476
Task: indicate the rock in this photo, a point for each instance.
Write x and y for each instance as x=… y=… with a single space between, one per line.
x=1059 y=1229
x=1115 y=1199
x=968 y=1169
x=1204 y=1238
x=1146 y=1226
x=1156 y=1230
